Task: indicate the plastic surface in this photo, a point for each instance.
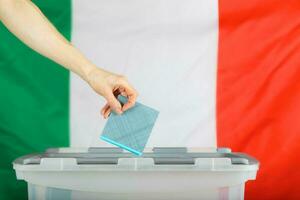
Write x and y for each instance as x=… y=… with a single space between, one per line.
x=160 y=173
x=131 y=130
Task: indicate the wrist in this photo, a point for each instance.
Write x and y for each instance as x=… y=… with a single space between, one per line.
x=94 y=74
x=88 y=71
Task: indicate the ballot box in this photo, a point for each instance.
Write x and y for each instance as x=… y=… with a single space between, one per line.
x=160 y=173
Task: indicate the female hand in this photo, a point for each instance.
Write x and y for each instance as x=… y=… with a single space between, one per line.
x=110 y=85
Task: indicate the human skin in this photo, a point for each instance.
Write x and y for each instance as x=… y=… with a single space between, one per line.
x=27 y=22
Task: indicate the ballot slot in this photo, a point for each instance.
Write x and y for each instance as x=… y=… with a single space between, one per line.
x=169 y=150
x=104 y=150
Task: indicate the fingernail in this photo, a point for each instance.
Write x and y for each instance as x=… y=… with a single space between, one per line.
x=119 y=111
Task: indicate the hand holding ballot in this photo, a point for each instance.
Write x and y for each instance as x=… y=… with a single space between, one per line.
x=110 y=85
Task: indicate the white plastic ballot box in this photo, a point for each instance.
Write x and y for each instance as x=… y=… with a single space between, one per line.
x=160 y=173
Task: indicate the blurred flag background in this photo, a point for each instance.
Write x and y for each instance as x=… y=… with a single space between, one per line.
x=221 y=73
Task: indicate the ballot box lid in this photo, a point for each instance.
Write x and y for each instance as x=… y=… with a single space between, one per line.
x=153 y=159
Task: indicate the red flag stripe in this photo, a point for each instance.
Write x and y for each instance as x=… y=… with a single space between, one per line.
x=258 y=91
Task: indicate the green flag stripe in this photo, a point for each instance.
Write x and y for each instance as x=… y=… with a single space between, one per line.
x=34 y=99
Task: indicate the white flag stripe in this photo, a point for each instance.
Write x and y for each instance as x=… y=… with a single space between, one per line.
x=168 y=51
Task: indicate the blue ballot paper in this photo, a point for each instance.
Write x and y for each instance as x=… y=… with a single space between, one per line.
x=131 y=130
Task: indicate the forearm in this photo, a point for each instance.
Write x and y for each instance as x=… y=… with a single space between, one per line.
x=27 y=22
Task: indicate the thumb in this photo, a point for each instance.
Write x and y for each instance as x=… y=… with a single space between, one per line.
x=113 y=103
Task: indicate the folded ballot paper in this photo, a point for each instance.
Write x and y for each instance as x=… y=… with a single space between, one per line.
x=131 y=130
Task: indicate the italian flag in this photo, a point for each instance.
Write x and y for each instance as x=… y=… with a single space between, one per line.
x=222 y=73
